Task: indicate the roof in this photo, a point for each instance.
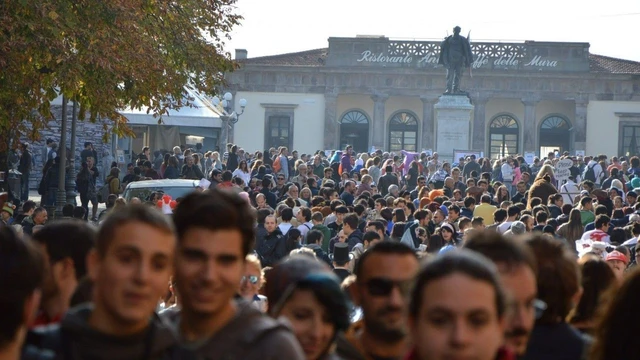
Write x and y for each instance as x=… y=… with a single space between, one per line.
x=165 y=183
x=317 y=57
x=606 y=64
x=314 y=57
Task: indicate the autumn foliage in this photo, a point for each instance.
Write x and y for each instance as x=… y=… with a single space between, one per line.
x=107 y=55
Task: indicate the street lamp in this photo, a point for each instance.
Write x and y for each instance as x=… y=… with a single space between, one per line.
x=228 y=116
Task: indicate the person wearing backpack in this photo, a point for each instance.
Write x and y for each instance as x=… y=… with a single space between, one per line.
x=593 y=172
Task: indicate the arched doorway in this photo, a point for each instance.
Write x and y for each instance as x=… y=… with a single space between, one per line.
x=403 y=132
x=554 y=135
x=354 y=131
x=504 y=134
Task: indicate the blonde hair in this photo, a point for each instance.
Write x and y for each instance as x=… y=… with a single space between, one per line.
x=253 y=260
x=544 y=170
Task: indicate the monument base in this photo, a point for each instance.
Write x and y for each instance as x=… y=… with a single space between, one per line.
x=454 y=114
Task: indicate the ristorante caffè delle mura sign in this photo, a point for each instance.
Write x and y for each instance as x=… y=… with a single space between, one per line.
x=485 y=56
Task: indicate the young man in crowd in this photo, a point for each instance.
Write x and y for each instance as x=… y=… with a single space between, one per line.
x=130 y=268
x=383 y=276
x=65 y=245
x=517 y=269
x=21 y=281
x=215 y=233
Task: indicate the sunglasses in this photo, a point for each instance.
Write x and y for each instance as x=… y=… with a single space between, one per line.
x=252 y=279
x=384 y=286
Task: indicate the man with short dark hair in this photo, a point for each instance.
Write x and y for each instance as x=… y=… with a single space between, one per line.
x=215 y=233
x=65 y=245
x=383 y=277
x=314 y=240
x=386 y=180
x=348 y=194
x=600 y=233
x=517 y=268
x=149 y=172
x=512 y=215
x=130 y=268
x=350 y=228
x=20 y=280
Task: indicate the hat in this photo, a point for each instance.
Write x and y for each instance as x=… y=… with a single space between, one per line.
x=444 y=210
x=448 y=227
x=518 y=228
x=8 y=207
x=342 y=210
x=216 y=172
x=584 y=193
x=617 y=255
x=341 y=253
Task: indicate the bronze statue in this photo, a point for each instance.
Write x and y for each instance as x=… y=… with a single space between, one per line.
x=455 y=55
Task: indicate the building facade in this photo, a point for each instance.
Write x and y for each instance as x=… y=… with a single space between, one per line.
x=378 y=92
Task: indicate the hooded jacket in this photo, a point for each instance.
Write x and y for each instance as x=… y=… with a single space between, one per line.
x=250 y=335
x=272 y=248
x=354 y=238
x=74 y=339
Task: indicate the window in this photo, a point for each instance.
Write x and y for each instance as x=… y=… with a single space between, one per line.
x=279 y=131
x=403 y=132
x=354 y=131
x=504 y=136
x=630 y=140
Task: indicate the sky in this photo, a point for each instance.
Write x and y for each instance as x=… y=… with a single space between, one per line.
x=273 y=27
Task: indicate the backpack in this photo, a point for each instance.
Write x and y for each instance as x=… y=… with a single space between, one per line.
x=276 y=165
x=590 y=174
x=104 y=192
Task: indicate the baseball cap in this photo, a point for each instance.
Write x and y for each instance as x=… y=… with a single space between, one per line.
x=617 y=255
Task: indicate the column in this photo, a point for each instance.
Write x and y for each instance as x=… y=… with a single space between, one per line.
x=479 y=129
x=428 y=123
x=330 y=120
x=529 y=124
x=378 y=125
x=580 y=125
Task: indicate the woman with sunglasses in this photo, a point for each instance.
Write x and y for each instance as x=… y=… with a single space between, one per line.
x=252 y=282
x=307 y=294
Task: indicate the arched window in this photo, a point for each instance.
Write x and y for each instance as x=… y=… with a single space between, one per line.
x=403 y=132
x=354 y=131
x=504 y=135
x=555 y=135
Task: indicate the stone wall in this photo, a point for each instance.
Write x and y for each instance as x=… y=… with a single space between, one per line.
x=85 y=131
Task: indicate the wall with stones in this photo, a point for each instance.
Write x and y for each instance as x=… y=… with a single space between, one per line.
x=85 y=131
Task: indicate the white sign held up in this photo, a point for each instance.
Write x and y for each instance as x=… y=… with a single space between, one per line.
x=563 y=171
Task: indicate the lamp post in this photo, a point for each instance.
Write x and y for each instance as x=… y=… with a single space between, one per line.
x=228 y=116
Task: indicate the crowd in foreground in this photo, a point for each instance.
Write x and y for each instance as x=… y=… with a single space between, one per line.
x=407 y=258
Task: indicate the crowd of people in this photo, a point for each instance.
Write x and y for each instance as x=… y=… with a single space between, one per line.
x=331 y=256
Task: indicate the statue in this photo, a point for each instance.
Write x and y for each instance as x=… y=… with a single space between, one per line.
x=455 y=55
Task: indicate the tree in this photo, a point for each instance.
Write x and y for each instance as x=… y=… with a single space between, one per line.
x=107 y=55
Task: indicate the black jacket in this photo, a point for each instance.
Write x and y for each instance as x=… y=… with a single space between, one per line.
x=74 y=339
x=354 y=238
x=272 y=248
x=26 y=161
x=386 y=181
x=192 y=172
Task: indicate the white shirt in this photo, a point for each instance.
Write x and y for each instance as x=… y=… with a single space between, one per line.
x=507 y=172
x=284 y=227
x=596 y=235
x=305 y=228
x=569 y=191
x=502 y=228
x=597 y=170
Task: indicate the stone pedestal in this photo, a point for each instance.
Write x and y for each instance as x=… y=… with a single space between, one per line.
x=453 y=125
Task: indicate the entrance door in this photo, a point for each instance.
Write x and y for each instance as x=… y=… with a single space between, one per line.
x=503 y=133
x=354 y=131
x=554 y=135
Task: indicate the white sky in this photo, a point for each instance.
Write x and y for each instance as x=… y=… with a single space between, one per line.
x=279 y=26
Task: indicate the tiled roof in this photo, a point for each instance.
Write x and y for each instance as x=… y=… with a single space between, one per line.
x=605 y=64
x=304 y=58
x=317 y=57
